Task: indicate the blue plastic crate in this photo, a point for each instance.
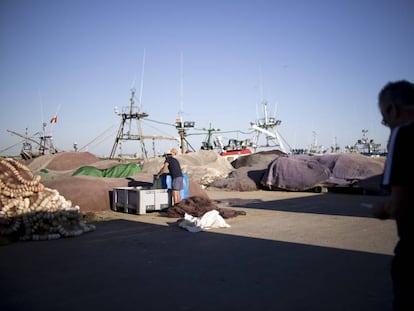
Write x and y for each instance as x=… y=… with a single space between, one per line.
x=166 y=184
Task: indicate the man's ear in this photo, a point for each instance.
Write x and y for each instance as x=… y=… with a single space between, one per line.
x=394 y=111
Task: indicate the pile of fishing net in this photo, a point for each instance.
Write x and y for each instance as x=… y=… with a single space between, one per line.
x=31 y=211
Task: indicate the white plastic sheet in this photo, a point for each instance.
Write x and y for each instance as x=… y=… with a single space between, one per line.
x=211 y=219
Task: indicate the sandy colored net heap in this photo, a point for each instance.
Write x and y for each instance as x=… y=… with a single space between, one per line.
x=32 y=211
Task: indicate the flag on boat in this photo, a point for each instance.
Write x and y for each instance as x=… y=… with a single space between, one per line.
x=54 y=119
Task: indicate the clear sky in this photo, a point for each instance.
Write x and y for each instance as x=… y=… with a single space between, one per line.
x=319 y=65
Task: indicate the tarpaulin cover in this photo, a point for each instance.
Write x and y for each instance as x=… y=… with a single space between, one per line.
x=117 y=171
x=304 y=172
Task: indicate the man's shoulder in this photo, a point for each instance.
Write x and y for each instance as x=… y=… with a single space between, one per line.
x=408 y=124
x=171 y=159
x=405 y=129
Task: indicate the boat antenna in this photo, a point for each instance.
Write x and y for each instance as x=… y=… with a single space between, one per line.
x=181 y=125
x=181 y=130
x=142 y=81
x=133 y=82
x=265 y=112
x=181 y=88
x=132 y=102
x=41 y=108
x=261 y=84
x=260 y=91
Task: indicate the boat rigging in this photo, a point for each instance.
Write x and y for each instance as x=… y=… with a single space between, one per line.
x=268 y=127
x=43 y=140
x=128 y=115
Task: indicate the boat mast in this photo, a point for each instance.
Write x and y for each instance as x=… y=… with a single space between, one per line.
x=131 y=114
x=268 y=127
x=181 y=125
x=134 y=113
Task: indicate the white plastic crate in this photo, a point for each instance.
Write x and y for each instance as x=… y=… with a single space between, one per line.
x=162 y=198
x=139 y=201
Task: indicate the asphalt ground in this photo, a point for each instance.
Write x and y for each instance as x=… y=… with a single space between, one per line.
x=291 y=251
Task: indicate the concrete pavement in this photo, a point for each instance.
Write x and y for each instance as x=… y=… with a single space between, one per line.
x=292 y=251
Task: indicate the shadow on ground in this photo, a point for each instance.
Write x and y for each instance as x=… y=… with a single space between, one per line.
x=129 y=265
x=327 y=204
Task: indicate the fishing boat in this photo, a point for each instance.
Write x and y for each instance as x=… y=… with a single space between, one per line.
x=235 y=149
x=43 y=141
x=366 y=146
x=232 y=150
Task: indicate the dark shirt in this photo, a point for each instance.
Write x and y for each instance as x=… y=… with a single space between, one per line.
x=399 y=171
x=174 y=167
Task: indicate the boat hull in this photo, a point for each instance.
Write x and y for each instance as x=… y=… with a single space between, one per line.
x=234 y=154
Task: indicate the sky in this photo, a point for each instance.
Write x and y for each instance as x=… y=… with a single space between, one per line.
x=319 y=65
